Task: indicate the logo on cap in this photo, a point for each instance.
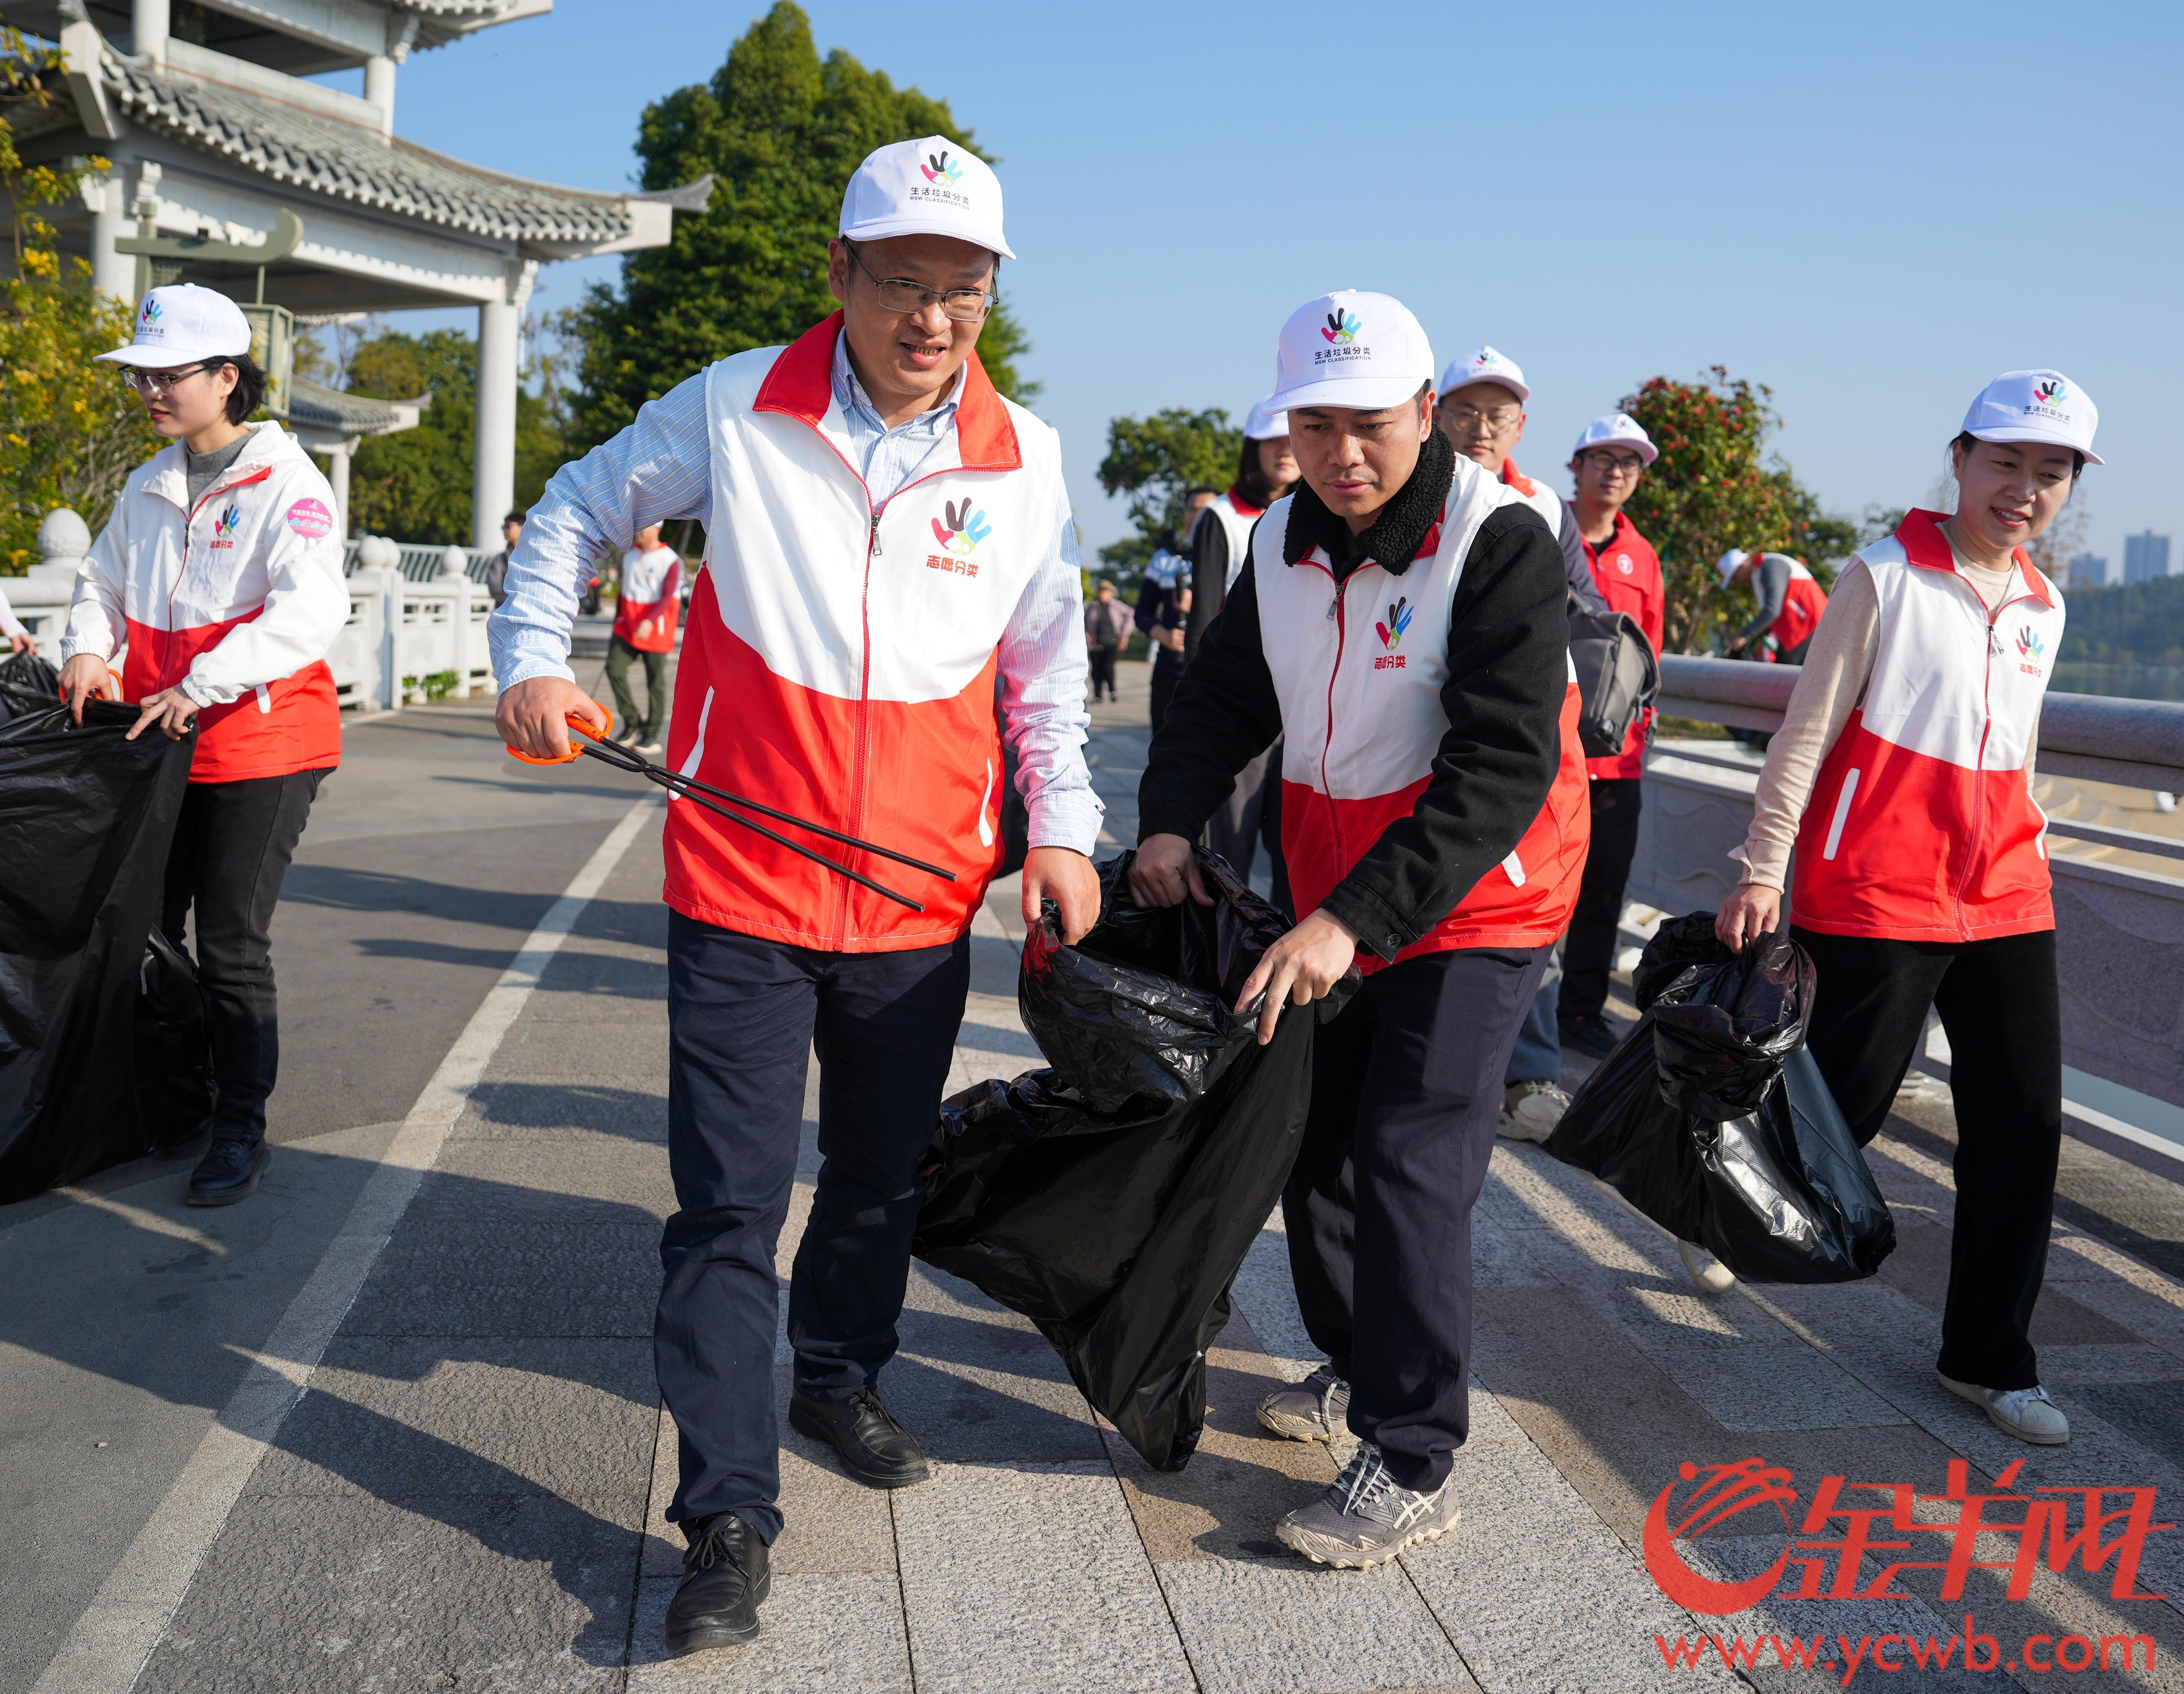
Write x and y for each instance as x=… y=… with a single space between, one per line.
x=149 y=325
x=938 y=167
x=2051 y=391
x=1342 y=327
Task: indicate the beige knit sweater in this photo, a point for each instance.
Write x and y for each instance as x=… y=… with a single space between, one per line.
x=1838 y=665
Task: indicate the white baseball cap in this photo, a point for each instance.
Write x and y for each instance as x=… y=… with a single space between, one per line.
x=930 y=187
x=181 y=324
x=1485 y=365
x=1731 y=562
x=1353 y=350
x=1266 y=421
x=2035 y=406
x=1618 y=429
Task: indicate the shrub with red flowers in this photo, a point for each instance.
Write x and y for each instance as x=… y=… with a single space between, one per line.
x=1710 y=491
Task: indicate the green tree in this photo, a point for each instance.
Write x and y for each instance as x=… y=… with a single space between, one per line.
x=71 y=432
x=1709 y=490
x=782 y=131
x=1156 y=461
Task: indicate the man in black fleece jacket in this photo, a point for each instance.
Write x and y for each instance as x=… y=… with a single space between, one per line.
x=1401 y=621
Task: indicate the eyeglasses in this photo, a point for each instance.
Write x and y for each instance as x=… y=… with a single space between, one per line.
x=1617 y=464
x=901 y=294
x=1470 y=417
x=161 y=381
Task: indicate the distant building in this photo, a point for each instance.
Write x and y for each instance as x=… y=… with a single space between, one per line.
x=2145 y=557
x=2087 y=570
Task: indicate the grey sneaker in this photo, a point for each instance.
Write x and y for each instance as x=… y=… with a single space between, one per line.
x=1317 y=1409
x=1365 y=1519
x=1530 y=1110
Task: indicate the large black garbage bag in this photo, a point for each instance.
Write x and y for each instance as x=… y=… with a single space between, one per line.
x=28 y=684
x=1711 y=1118
x=1112 y=1198
x=173 y=1047
x=86 y=818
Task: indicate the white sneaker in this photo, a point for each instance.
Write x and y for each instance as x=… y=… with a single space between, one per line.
x=1709 y=1273
x=1531 y=1110
x=651 y=749
x=1365 y=1519
x=2026 y=1413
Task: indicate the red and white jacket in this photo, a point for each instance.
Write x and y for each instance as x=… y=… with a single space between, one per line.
x=236 y=600
x=839 y=661
x=1802 y=608
x=1359 y=670
x=1538 y=496
x=1235 y=515
x=1921 y=825
x=651 y=596
x=1628 y=573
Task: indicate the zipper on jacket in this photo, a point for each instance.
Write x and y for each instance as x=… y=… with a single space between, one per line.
x=1327 y=794
x=182 y=571
x=1973 y=847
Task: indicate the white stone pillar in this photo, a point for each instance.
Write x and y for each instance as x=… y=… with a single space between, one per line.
x=337 y=462
x=112 y=274
x=379 y=89
x=492 y=475
x=148 y=27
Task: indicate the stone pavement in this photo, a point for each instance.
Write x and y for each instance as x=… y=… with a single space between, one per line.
x=469 y=1494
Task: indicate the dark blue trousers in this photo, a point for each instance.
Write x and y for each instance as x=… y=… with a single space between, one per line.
x=1405 y=1092
x=744 y=1015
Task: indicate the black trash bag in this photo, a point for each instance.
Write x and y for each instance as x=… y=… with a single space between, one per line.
x=1713 y=1120
x=28 y=685
x=1112 y=1199
x=86 y=819
x=173 y=1048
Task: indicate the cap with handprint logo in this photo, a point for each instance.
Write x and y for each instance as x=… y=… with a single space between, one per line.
x=2035 y=406
x=1485 y=365
x=1352 y=349
x=182 y=324
x=927 y=186
x=1267 y=423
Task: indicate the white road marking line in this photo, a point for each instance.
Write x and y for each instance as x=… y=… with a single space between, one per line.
x=106 y=1650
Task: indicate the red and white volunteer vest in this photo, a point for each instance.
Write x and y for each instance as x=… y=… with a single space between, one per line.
x=1235 y=516
x=1359 y=669
x=1538 y=496
x=188 y=576
x=651 y=596
x=1922 y=826
x=838 y=662
x=1802 y=609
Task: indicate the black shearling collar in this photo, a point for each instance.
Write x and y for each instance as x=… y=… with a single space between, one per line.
x=1394 y=536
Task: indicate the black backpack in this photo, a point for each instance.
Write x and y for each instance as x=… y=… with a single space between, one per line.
x=1616 y=676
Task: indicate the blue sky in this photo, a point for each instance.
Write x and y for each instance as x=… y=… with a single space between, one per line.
x=1872 y=208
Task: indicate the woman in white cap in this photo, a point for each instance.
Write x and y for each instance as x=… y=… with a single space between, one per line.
x=1903 y=776
x=220 y=573
x=1220 y=542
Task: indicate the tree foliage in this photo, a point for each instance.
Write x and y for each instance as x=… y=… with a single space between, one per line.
x=72 y=432
x=782 y=131
x=1156 y=461
x=1710 y=491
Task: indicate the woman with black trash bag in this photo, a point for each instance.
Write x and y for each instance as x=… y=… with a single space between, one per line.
x=220 y=573
x=1903 y=775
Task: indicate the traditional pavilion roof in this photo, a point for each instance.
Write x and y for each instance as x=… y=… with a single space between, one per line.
x=292 y=146
x=313 y=405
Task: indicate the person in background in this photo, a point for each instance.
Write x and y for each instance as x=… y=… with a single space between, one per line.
x=1903 y=777
x=1163 y=611
x=1106 y=628
x=221 y=571
x=1791 y=602
x=1403 y=614
x=1220 y=542
x=1481 y=411
x=644 y=628
x=19 y=638
x=1610 y=458
x=496 y=568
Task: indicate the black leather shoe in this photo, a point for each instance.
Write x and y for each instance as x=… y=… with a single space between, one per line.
x=727 y=1571
x=872 y=1446
x=228 y=1172
x=1593 y=1035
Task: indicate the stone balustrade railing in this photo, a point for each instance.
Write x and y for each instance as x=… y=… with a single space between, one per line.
x=2119 y=927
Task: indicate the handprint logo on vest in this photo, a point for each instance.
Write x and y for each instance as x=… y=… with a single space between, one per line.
x=960 y=529
x=2033 y=648
x=940 y=168
x=225 y=525
x=1391 y=635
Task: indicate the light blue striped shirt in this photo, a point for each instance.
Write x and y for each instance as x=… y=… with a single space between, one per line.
x=660 y=469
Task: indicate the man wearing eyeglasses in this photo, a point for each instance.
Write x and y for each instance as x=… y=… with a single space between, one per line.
x=1610 y=459
x=885 y=536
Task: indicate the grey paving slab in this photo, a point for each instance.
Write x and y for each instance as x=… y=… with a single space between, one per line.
x=514 y=1280
x=1260 y=1627
x=508 y=1593
x=625 y=1049
x=1775 y=1386
x=1264 y=1292
x=582 y=1178
x=820 y=1633
x=520 y=1109
x=979 y=1383
x=1031 y=1576
x=406 y=1415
